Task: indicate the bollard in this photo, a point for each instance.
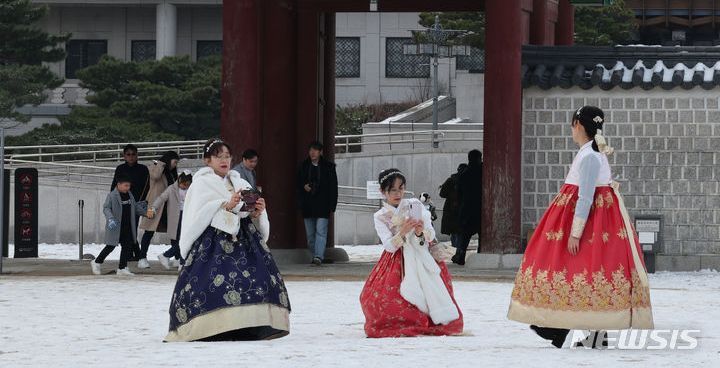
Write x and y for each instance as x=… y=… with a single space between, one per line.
x=81 y=204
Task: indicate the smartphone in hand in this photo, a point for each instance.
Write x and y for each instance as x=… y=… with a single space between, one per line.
x=416 y=211
x=249 y=198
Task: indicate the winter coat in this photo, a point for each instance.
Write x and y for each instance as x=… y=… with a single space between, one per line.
x=171 y=199
x=158 y=184
x=321 y=202
x=470 y=198
x=448 y=190
x=204 y=207
x=138 y=175
x=113 y=211
x=248 y=175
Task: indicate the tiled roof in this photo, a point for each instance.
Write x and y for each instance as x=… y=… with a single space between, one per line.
x=645 y=67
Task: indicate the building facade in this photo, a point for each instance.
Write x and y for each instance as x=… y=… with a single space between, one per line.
x=370 y=64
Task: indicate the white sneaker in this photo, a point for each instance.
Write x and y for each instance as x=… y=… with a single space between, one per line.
x=143 y=263
x=164 y=261
x=124 y=272
x=96 y=268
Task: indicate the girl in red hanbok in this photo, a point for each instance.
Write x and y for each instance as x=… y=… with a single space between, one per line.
x=408 y=292
x=583 y=267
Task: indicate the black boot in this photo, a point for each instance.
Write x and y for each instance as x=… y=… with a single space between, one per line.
x=555 y=335
x=459 y=258
x=135 y=253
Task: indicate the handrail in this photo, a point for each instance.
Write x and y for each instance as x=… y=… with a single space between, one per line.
x=138 y=144
x=11 y=160
x=75 y=153
x=440 y=132
x=365 y=189
x=416 y=136
x=83 y=161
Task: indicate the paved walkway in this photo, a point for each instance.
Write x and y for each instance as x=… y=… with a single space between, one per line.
x=350 y=271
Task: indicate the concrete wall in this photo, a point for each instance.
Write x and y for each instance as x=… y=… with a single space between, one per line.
x=470 y=96
x=120 y=25
x=372 y=86
x=666 y=159
x=59 y=213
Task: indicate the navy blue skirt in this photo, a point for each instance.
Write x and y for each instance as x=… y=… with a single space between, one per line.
x=229 y=289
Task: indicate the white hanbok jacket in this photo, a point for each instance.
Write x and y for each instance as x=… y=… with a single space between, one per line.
x=422 y=285
x=204 y=207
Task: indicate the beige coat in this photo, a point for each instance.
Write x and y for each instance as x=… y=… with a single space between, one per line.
x=171 y=198
x=158 y=184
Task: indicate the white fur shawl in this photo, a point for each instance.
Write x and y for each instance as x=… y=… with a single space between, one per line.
x=203 y=204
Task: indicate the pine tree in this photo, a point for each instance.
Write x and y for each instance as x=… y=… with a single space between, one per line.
x=605 y=25
x=23 y=49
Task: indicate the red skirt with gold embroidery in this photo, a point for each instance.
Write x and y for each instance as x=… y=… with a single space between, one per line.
x=387 y=314
x=603 y=287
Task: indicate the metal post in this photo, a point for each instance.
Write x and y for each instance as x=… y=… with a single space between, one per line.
x=81 y=205
x=436 y=35
x=2 y=195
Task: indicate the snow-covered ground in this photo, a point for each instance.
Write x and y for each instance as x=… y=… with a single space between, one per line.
x=120 y=322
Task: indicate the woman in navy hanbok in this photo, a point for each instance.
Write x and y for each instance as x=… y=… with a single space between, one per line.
x=229 y=287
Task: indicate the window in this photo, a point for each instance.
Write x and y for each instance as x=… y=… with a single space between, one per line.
x=82 y=54
x=347 y=57
x=143 y=50
x=208 y=48
x=399 y=65
x=475 y=61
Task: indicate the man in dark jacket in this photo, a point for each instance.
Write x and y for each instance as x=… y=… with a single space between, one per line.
x=470 y=199
x=450 y=224
x=138 y=175
x=317 y=188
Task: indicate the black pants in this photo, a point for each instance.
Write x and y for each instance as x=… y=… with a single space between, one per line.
x=174 y=250
x=454 y=239
x=463 y=241
x=136 y=247
x=145 y=243
x=125 y=252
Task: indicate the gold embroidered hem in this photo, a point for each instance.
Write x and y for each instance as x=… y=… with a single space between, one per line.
x=557 y=290
x=229 y=319
x=545 y=296
x=640 y=318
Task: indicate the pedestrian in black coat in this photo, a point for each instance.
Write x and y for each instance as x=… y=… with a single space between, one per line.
x=317 y=192
x=448 y=190
x=469 y=192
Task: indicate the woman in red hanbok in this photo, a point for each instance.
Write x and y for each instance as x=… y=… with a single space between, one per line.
x=583 y=267
x=408 y=292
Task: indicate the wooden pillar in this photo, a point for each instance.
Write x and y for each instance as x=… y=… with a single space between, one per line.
x=242 y=69
x=565 y=27
x=502 y=142
x=539 y=23
x=259 y=96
